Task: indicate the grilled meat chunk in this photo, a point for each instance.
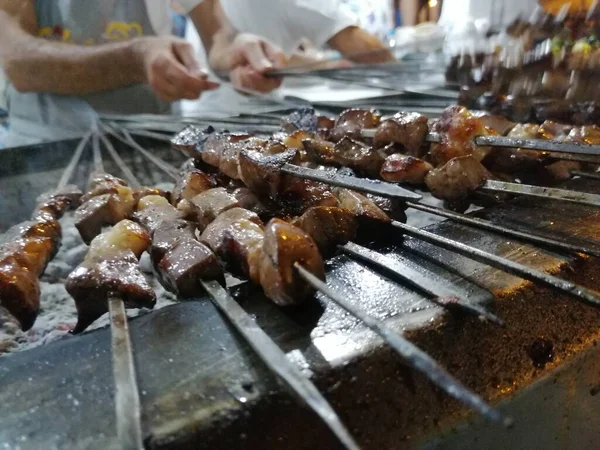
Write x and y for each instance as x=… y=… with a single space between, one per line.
x=554 y=131
x=189 y=138
x=500 y=125
x=304 y=119
x=167 y=233
x=150 y=191
x=261 y=173
x=586 y=134
x=284 y=245
x=210 y=204
x=561 y=170
x=221 y=150
x=360 y=206
x=186 y=262
x=458 y=127
x=328 y=226
x=456 y=179
x=248 y=200
x=346 y=153
x=94 y=281
x=152 y=210
x=408 y=129
x=101 y=211
x=19 y=291
x=399 y=168
x=191 y=184
x=351 y=122
x=102 y=183
x=57 y=201
x=236 y=237
x=518 y=159
x=111 y=268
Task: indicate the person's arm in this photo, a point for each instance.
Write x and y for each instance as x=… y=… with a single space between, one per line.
x=356 y=45
x=34 y=64
x=244 y=57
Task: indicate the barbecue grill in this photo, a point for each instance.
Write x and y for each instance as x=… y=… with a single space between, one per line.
x=201 y=386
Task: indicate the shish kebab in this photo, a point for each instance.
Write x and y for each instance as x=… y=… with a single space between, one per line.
x=206 y=204
x=26 y=248
x=454 y=167
x=186 y=267
x=370 y=160
x=262 y=173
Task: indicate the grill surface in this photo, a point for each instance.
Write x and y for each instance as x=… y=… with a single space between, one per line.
x=201 y=387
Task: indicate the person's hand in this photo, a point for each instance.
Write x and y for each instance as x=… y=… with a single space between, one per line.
x=252 y=58
x=171 y=68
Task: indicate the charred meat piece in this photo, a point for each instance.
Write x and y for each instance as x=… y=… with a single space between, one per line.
x=102 y=183
x=347 y=153
x=208 y=205
x=186 y=262
x=393 y=207
x=152 y=210
x=408 y=129
x=458 y=178
x=261 y=173
x=554 y=131
x=304 y=119
x=191 y=184
x=285 y=245
x=298 y=194
x=189 y=138
x=498 y=124
x=399 y=168
x=325 y=123
x=58 y=201
x=150 y=191
x=561 y=170
x=111 y=268
x=167 y=233
x=587 y=134
x=328 y=226
x=351 y=122
x=248 y=200
x=518 y=159
x=19 y=291
x=360 y=206
x=219 y=144
x=103 y=210
x=458 y=127
x=236 y=237
x=94 y=281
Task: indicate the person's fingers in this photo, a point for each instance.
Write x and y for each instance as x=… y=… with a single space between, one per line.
x=249 y=78
x=184 y=52
x=275 y=55
x=255 y=55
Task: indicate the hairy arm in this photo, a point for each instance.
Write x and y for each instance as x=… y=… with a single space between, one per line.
x=37 y=65
x=356 y=45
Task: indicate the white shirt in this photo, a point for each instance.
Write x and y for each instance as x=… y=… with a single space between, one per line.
x=286 y=22
x=496 y=12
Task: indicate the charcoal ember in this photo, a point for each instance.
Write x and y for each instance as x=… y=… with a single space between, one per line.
x=302 y=119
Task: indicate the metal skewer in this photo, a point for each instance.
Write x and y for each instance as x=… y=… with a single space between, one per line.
x=543 y=145
x=127 y=398
x=438 y=293
x=590 y=175
x=579 y=292
x=414 y=356
x=487 y=225
x=68 y=172
x=582 y=198
x=376 y=187
x=277 y=361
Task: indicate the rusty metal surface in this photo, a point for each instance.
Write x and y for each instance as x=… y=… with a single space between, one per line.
x=202 y=387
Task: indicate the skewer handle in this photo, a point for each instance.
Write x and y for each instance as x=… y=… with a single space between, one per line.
x=127 y=399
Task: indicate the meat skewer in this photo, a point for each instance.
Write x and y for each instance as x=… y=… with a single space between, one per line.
x=29 y=246
x=503 y=263
x=169 y=241
x=108 y=278
x=438 y=374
